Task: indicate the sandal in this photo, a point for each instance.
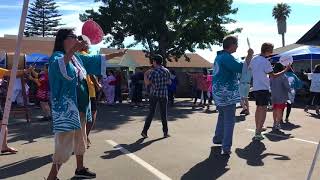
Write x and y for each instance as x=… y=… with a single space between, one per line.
x=9 y=150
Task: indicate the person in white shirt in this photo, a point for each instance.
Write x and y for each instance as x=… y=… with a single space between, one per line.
x=261 y=68
x=314 y=89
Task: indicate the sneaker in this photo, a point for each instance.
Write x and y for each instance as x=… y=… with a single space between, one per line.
x=225 y=152
x=276 y=127
x=258 y=137
x=144 y=135
x=85 y=173
x=306 y=109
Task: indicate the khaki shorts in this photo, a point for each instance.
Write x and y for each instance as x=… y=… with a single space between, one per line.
x=68 y=142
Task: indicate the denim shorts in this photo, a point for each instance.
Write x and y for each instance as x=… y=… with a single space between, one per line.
x=244 y=89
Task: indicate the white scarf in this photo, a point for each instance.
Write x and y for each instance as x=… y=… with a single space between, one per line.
x=80 y=71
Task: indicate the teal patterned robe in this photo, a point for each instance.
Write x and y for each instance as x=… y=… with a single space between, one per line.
x=63 y=81
x=225 y=83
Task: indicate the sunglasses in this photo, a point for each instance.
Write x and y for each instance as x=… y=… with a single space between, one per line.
x=72 y=36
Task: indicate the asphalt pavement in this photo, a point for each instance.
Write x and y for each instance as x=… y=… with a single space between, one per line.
x=119 y=153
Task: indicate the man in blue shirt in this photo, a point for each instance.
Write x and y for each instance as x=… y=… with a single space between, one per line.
x=225 y=89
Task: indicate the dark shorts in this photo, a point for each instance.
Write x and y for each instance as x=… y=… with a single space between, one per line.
x=93 y=104
x=262 y=97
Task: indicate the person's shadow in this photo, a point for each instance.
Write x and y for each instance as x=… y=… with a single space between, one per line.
x=277 y=135
x=134 y=147
x=254 y=155
x=211 y=168
x=289 y=126
x=24 y=166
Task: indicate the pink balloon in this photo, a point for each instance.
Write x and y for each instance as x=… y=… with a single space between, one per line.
x=93 y=31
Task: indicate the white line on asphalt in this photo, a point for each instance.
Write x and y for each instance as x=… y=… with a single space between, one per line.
x=144 y=164
x=296 y=139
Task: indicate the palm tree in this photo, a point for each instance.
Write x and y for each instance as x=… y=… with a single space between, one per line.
x=281 y=12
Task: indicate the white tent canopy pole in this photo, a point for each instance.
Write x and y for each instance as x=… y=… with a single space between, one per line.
x=13 y=74
x=311 y=68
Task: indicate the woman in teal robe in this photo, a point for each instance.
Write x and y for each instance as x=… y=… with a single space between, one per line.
x=70 y=103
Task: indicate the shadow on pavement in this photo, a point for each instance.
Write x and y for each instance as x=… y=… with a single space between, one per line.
x=240 y=118
x=211 y=168
x=134 y=147
x=276 y=136
x=29 y=132
x=108 y=118
x=314 y=115
x=289 y=126
x=254 y=155
x=24 y=166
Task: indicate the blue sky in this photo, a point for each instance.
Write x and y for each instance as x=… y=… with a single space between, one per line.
x=254 y=16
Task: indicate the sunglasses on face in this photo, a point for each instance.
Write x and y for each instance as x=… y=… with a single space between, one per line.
x=72 y=36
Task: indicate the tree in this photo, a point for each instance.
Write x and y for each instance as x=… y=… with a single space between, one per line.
x=281 y=12
x=43 y=18
x=166 y=27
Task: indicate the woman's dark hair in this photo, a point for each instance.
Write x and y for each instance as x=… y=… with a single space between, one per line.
x=316 y=69
x=60 y=37
x=278 y=68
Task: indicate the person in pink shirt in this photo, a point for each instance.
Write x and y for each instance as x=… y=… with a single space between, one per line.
x=209 y=94
x=202 y=86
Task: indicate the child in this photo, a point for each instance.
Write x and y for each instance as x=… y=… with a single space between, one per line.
x=42 y=81
x=261 y=71
x=314 y=89
x=295 y=83
x=279 y=95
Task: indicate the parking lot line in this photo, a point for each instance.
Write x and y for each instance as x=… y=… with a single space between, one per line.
x=138 y=160
x=293 y=138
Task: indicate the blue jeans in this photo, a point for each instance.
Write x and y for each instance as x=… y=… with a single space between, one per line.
x=225 y=126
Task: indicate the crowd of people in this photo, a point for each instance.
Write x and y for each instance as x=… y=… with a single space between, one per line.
x=70 y=78
x=274 y=83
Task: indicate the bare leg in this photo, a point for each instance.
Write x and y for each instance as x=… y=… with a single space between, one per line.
x=79 y=159
x=247 y=104
x=275 y=116
x=45 y=108
x=54 y=172
x=280 y=115
x=260 y=117
x=5 y=146
x=90 y=125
